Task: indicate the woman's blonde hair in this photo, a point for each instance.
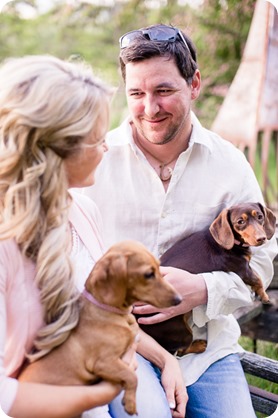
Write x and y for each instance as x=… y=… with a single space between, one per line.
x=47 y=108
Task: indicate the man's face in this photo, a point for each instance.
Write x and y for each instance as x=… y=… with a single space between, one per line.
x=159 y=99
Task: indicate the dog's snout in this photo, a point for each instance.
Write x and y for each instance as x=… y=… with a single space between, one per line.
x=261 y=240
x=177 y=300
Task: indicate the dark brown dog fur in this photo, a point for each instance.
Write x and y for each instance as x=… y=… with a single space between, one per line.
x=224 y=246
x=127 y=273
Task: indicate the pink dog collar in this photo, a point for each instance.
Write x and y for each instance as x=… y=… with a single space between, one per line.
x=105 y=307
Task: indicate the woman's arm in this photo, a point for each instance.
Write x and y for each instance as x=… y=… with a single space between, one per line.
x=171 y=376
x=45 y=401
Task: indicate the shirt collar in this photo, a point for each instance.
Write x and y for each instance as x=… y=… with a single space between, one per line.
x=199 y=134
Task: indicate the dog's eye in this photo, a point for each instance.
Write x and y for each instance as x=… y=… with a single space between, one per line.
x=149 y=275
x=240 y=221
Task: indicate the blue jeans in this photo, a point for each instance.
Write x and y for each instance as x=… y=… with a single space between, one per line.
x=221 y=392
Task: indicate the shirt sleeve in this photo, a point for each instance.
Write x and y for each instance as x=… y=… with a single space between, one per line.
x=8 y=386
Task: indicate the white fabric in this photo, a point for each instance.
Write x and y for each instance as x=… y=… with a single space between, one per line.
x=209 y=176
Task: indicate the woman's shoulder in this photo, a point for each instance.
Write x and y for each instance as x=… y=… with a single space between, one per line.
x=8 y=248
x=84 y=201
x=87 y=206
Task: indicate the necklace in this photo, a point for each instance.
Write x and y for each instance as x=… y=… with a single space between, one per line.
x=165 y=172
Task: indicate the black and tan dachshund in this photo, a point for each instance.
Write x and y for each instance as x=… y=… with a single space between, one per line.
x=224 y=246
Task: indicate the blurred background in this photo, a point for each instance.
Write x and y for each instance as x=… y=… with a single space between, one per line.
x=90 y=30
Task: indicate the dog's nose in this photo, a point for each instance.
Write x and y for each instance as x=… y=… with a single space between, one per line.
x=177 y=300
x=261 y=240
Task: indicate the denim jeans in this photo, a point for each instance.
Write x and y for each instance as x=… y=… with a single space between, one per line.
x=221 y=392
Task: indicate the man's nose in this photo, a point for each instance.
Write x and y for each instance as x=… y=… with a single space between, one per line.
x=151 y=106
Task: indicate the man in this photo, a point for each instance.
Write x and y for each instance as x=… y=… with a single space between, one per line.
x=164 y=177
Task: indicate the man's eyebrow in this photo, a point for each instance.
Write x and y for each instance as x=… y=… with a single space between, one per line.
x=132 y=90
x=159 y=86
x=166 y=84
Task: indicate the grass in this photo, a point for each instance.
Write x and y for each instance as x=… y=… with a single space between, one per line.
x=266 y=349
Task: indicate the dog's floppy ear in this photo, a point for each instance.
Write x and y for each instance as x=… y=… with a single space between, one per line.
x=107 y=276
x=270 y=221
x=221 y=230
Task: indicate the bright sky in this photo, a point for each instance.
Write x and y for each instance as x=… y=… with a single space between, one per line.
x=45 y=5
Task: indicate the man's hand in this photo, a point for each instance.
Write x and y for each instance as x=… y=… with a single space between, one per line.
x=191 y=287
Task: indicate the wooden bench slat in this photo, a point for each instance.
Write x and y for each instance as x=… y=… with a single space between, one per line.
x=260 y=366
x=262 y=404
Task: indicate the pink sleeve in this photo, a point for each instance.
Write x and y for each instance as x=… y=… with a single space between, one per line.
x=8 y=386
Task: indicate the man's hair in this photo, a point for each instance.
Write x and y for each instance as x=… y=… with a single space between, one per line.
x=141 y=49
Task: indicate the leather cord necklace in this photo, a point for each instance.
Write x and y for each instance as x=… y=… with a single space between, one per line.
x=165 y=171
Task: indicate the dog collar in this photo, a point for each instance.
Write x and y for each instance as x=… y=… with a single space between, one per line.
x=103 y=306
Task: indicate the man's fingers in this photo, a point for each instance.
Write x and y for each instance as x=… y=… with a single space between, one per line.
x=154 y=319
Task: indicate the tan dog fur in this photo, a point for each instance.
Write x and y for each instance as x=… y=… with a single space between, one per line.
x=127 y=273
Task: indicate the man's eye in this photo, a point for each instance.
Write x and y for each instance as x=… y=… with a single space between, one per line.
x=164 y=91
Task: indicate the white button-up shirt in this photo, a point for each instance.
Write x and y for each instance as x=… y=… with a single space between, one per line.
x=209 y=176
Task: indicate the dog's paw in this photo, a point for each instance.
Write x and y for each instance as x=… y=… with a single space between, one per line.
x=129 y=406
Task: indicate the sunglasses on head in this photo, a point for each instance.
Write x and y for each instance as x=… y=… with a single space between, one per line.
x=159 y=34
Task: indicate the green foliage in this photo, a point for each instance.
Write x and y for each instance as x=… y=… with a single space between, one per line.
x=219 y=29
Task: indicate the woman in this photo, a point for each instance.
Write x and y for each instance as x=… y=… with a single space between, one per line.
x=53 y=119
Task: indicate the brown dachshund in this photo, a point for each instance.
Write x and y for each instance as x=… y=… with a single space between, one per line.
x=224 y=246
x=127 y=273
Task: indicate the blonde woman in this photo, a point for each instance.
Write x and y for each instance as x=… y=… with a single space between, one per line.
x=53 y=121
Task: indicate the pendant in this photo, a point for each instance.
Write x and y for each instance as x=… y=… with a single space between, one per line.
x=165 y=172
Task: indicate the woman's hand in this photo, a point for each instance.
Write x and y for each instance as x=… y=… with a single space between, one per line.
x=171 y=375
x=174 y=386
x=191 y=287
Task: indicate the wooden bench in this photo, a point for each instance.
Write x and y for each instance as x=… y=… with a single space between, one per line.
x=259 y=366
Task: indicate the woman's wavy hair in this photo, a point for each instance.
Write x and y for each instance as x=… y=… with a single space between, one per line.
x=47 y=108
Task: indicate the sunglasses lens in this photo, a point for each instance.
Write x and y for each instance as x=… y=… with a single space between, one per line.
x=126 y=39
x=161 y=34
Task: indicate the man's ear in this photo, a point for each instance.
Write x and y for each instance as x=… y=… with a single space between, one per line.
x=196 y=85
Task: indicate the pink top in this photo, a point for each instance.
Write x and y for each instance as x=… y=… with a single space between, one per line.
x=20 y=309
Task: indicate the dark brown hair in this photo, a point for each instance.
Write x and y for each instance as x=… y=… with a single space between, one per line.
x=141 y=49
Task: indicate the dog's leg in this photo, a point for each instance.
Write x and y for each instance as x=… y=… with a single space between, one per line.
x=115 y=370
x=259 y=290
x=196 y=346
x=253 y=280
